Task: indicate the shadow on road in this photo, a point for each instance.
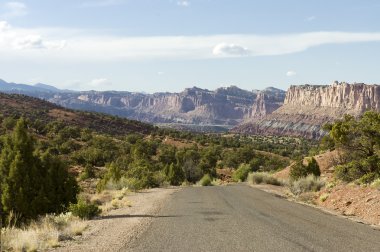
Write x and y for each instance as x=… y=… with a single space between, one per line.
x=136 y=216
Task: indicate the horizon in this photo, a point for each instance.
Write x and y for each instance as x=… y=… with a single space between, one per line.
x=169 y=45
x=196 y=87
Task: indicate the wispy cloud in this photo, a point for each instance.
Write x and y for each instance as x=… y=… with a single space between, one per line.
x=14 y=9
x=101 y=3
x=79 y=45
x=311 y=18
x=291 y=73
x=224 y=49
x=12 y=39
x=183 y=3
x=97 y=83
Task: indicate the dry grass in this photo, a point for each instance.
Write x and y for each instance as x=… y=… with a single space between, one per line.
x=376 y=184
x=310 y=183
x=111 y=199
x=263 y=178
x=42 y=234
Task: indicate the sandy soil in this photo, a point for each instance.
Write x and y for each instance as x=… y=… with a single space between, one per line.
x=119 y=227
x=359 y=203
x=353 y=200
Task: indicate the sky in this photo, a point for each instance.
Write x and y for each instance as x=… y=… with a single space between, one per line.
x=168 y=45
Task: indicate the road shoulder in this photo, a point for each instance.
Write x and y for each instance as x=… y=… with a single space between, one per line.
x=122 y=226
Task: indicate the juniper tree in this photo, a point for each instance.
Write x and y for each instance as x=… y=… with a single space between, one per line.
x=32 y=185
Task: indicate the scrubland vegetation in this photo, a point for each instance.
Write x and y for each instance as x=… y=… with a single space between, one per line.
x=55 y=168
x=358 y=141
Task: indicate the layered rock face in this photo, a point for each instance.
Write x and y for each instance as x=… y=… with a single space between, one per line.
x=306 y=108
x=227 y=106
x=224 y=106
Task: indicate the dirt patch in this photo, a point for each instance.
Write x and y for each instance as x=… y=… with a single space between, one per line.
x=120 y=227
x=180 y=144
x=225 y=174
x=353 y=200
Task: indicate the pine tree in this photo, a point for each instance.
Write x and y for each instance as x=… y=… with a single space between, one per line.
x=32 y=185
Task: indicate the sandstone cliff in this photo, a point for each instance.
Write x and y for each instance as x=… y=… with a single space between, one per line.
x=306 y=108
x=227 y=106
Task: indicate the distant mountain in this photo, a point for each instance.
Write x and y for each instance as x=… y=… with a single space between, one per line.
x=227 y=106
x=47 y=87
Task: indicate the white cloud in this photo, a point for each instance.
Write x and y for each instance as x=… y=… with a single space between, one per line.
x=224 y=49
x=75 y=45
x=291 y=73
x=14 y=9
x=160 y=73
x=183 y=3
x=101 y=82
x=101 y=3
x=95 y=84
x=20 y=39
x=311 y=18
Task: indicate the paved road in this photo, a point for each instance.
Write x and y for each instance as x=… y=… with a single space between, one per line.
x=240 y=218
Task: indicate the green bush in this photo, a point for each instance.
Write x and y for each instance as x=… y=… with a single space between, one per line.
x=310 y=183
x=84 y=210
x=298 y=170
x=205 y=180
x=368 y=178
x=349 y=172
x=241 y=173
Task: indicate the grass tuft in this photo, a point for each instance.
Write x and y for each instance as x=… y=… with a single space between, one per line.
x=206 y=180
x=376 y=184
x=310 y=183
x=43 y=234
x=263 y=178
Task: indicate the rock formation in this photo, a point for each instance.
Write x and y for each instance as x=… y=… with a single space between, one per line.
x=227 y=106
x=306 y=108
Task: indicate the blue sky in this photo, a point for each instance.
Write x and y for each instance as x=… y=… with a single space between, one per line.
x=168 y=45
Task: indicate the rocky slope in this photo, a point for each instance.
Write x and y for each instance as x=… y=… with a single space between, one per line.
x=225 y=106
x=306 y=108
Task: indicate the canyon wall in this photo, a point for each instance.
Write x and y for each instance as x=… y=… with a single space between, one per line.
x=306 y=108
x=228 y=106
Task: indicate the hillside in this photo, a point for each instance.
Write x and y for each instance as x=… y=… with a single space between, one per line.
x=307 y=107
x=13 y=105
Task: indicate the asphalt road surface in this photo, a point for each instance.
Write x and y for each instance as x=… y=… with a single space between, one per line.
x=241 y=218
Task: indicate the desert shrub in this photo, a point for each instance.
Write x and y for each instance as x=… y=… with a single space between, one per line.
x=161 y=179
x=84 y=210
x=298 y=170
x=135 y=184
x=349 y=172
x=175 y=175
x=206 y=180
x=324 y=197
x=263 y=178
x=241 y=173
x=310 y=183
x=368 y=178
x=87 y=173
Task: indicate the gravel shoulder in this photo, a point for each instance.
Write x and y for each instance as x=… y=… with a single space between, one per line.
x=119 y=227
